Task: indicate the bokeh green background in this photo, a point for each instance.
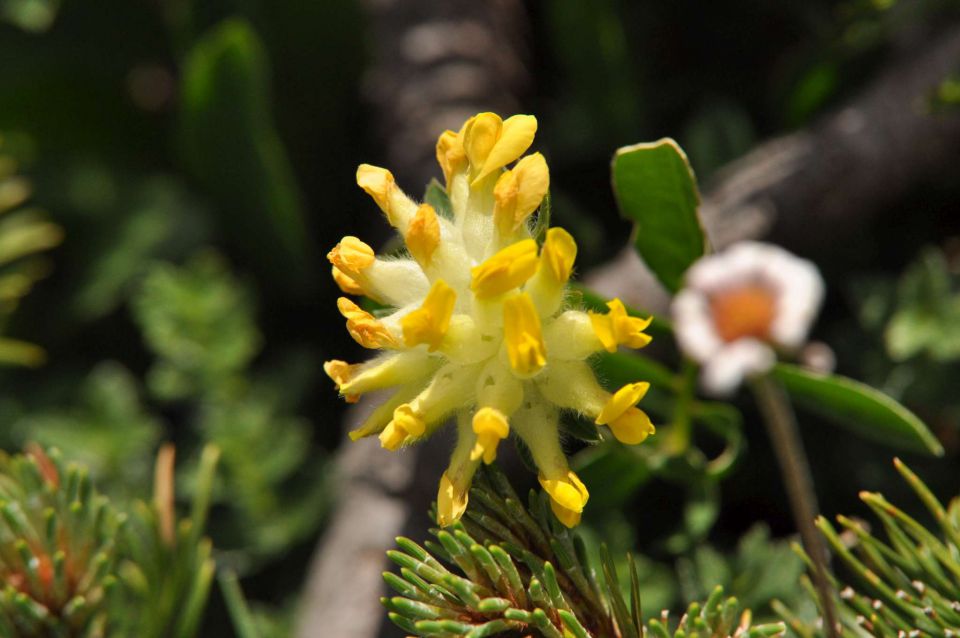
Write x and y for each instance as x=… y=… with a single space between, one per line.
x=199 y=157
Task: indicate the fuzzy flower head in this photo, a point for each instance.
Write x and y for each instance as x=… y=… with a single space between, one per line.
x=740 y=306
x=476 y=327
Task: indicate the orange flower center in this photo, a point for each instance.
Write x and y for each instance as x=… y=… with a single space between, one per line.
x=741 y=312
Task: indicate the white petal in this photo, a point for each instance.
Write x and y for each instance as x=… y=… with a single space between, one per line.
x=800 y=292
x=724 y=373
x=693 y=325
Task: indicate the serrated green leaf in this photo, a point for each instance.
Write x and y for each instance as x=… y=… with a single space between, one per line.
x=656 y=188
x=862 y=409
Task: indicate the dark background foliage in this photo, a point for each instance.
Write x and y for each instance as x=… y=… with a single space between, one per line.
x=200 y=160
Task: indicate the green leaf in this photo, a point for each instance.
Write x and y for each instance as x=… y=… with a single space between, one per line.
x=436 y=196
x=656 y=188
x=620 y=368
x=34 y=16
x=618 y=468
x=859 y=407
x=230 y=143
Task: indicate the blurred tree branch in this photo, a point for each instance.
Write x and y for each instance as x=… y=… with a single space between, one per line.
x=813 y=189
x=435 y=65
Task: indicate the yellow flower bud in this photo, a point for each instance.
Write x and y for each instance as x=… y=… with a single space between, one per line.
x=617 y=327
x=568 y=496
x=451 y=501
x=518 y=193
x=450 y=154
x=507 y=269
x=491 y=143
x=378 y=183
x=632 y=427
x=423 y=234
x=346 y=283
x=364 y=327
x=351 y=256
x=523 y=337
x=621 y=400
x=480 y=135
x=341 y=372
x=491 y=426
x=405 y=423
x=628 y=424
x=558 y=254
x=428 y=324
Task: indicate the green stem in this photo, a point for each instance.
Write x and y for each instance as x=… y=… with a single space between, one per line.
x=795 y=468
x=237 y=606
x=681 y=430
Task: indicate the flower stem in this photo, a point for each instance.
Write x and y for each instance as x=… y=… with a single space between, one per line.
x=795 y=469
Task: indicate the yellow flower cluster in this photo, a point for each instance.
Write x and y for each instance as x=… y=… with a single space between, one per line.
x=479 y=330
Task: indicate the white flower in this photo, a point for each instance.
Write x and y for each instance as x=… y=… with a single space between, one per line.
x=740 y=306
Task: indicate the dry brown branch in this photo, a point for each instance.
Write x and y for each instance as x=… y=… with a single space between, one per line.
x=811 y=190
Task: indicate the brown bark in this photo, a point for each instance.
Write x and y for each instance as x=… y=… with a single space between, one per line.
x=813 y=189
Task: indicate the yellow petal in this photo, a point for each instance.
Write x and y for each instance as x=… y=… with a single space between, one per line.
x=507 y=269
x=450 y=154
x=570 y=518
x=628 y=330
x=405 y=423
x=523 y=336
x=423 y=234
x=451 y=501
x=519 y=191
x=351 y=255
x=364 y=327
x=429 y=323
x=491 y=426
x=632 y=427
x=346 y=283
x=558 y=254
x=617 y=327
x=378 y=183
x=515 y=137
x=568 y=496
x=408 y=420
x=621 y=401
x=341 y=372
x=392 y=437
x=480 y=135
